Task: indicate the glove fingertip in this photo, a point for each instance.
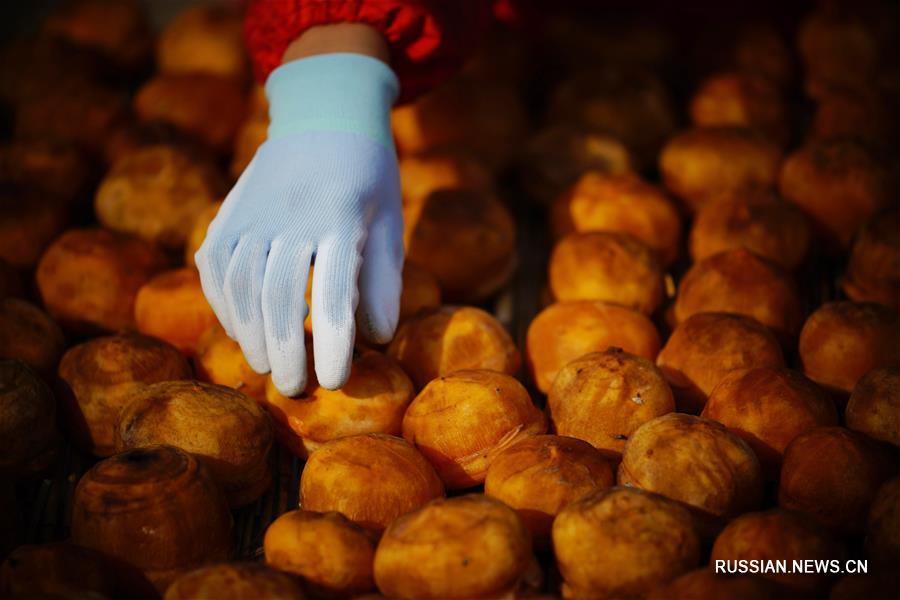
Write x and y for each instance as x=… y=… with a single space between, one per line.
x=254 y=349
x=257 y=361
x=378 y=326
x=379 y=302
x=290 y=384
x=332 y=376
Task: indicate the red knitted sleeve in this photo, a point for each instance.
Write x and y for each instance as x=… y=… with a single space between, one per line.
x=428 y=39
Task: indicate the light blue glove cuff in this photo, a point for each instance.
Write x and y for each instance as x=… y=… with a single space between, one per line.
x=333 y=92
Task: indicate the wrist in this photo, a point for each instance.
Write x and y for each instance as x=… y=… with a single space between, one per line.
x=344 y=92
x=356 y=38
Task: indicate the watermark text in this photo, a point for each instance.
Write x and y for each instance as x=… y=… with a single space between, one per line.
x=789 y=567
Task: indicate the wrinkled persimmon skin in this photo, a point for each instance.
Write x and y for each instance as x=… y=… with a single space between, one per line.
x=465 y=547
x=172 y=307
x=117 y=31
x=542 y=474
x=612 y=267
x=623 y=203
x=631 y=104
x=437 y=341
x=156 y=193
x=864 y=113
x=29 y=222
x=59 y=171
x=235 y=580
x=647 y=540
x=28 y=334
x=208 y=107
x=602 y=397
x=873 y=267
x=833 y=474
x=839 y=183
x=41 y=570
x=204 y=39
x=157 y=485
x=696 y=461
x=99 y=377
x=779 y=534
x=422 y=174
x=760 y=222
x=461 y=421
x=80 y=113
x=874 y=406
x=330 y=553
x=706 y=583
x=565 y=331
x=557 y=155
x=883 y=527
x=704 y=348
x=373 y=400
x=486 y=117
x=466 y=238
x=705 y=164
x=842 y=341
x=839 y=48
x=219 y=359
x=742 y=99
x=228 y=431
x=870 y=585
x=29 y=440
x=421 y=290
x=197 y=232
x=371 y=479
x=768 y=408
x=88 y=278
x=740 y=282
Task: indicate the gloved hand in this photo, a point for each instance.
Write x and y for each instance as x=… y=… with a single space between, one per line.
x=324 y=186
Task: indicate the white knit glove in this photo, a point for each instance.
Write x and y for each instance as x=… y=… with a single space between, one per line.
x=324 y=187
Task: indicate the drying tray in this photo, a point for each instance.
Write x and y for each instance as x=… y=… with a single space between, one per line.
x=45 y=504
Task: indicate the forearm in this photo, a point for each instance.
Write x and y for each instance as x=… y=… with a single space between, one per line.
x=357 y=38
x=425 y=40
x=334 y=78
